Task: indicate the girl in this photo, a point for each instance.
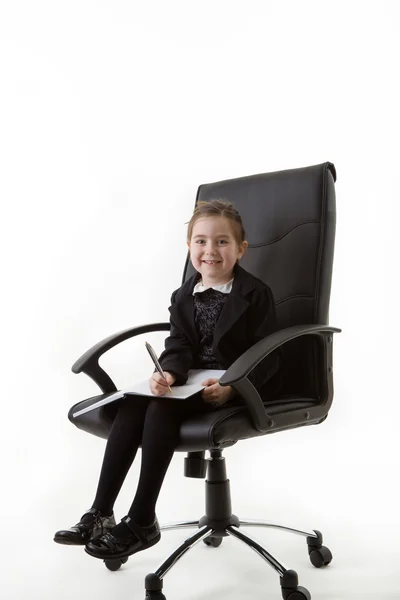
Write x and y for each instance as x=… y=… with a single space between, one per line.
x=216 y=315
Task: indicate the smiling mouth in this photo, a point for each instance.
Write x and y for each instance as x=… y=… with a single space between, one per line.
x=211 y=262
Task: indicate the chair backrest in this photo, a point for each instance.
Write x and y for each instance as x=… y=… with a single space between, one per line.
x=289 y=218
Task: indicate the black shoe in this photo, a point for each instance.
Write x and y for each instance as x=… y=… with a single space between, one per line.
x=82 y=533
x=140 y=538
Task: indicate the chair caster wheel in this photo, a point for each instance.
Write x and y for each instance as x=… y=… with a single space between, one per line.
x=290 y=589
x=300 y=593
x=320 y=557
x=113 y=564
x=212 y=541
x=153 y=586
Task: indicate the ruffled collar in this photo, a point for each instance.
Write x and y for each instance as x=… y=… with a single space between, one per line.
x=225 y=288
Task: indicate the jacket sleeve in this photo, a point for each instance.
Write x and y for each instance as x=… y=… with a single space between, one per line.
x=177 y=358
x=263 y=323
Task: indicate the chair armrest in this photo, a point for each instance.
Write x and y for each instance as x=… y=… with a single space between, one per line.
x=236 y=375
x=88 y=362
x=250 y=359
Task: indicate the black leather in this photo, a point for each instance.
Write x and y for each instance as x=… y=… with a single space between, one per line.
x=289 y=218
x=81 y=533
x=139 y=538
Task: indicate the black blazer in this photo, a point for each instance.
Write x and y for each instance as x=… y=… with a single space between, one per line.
x=247 y=316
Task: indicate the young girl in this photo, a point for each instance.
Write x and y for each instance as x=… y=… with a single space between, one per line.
x=216 y=315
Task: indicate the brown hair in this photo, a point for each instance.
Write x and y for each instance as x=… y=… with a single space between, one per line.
x=218 y=207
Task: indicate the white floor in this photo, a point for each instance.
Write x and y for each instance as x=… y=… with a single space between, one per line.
x=340 y=477
x=365 y=566
x=353 y=503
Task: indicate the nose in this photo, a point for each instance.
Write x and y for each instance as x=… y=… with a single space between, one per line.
x=210 y=247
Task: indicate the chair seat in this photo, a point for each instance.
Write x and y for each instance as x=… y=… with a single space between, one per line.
x=218 y=429
x=226 y=426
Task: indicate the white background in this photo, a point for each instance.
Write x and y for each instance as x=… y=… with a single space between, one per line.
x=112 y=113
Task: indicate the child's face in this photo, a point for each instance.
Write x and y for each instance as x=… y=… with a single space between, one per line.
x=214 y=249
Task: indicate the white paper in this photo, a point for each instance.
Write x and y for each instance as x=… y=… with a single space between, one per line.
x=142 y=388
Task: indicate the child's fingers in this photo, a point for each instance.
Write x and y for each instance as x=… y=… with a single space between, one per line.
x=158 y=384
x=159 y=391
x=210 y=390
x=210 y=381
x=170 y=378
x=167 y=380
x=160 y=380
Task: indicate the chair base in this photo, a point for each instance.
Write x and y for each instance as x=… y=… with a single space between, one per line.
x=219 y=522
x=319 y=555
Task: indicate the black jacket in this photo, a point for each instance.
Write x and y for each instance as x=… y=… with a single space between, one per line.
x=247 y=316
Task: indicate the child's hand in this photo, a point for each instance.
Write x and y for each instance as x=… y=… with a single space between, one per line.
x=216 y=394
x=159 y=385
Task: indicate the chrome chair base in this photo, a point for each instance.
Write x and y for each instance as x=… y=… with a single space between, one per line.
x=231 y=530
x=219 y=522
x=288 y=577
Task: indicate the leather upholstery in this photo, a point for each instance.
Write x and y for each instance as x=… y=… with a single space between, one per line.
x=289 y=218
x=218 y=429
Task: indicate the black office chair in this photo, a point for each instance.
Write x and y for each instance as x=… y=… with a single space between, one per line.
x=289 y=218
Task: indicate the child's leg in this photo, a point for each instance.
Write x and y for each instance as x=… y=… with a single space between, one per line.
x=122 y=444
x=160 y=438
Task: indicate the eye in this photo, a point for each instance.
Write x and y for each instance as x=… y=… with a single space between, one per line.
x=199 y=241
x=222 y=242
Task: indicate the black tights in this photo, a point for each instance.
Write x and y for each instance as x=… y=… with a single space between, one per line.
x=153 y=422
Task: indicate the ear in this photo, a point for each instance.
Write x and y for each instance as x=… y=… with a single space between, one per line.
x=242 y=248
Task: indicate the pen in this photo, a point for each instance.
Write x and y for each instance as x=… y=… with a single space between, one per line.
x=155 y=361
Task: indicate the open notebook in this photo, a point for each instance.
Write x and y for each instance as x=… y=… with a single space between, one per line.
x=180 y=392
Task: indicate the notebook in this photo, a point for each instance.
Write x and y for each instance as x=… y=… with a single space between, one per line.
x=142 y=388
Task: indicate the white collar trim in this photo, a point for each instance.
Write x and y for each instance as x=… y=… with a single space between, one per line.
x=225 y=288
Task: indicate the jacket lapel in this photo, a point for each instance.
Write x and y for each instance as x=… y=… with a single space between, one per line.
x=233 y=308
x=183 y=309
